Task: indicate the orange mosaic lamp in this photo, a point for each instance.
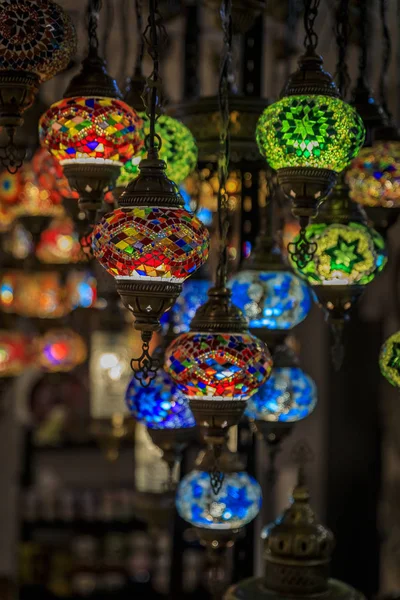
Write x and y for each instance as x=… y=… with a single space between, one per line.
x=91 y=131
x=17 y=352
x=33 y=295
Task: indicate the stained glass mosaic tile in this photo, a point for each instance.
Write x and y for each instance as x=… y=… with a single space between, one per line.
x=238 y=502
x=212 y=366
x=310 y=131
x=346 y=254
x=274 y=299
x=289 y=395
x=149 y=242
x=37 y=37
x=91 y=128
x=374 y=175
x=159 y=406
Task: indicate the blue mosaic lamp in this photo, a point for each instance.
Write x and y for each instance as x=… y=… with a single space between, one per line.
x=194 y=294
x=159 y=406
x=272 y=297
x=236 y=504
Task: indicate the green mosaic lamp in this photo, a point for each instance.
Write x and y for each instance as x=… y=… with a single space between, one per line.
x=389 y=359
x=309 y=136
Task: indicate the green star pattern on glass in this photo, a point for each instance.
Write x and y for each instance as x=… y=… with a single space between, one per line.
x=349 y=254
x=178 y=149
x=389 y=359
x=310 y=131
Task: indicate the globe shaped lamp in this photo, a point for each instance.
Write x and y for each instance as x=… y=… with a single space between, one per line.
x=237 y=503
x=288 y=396
x=309 y=136
x=37 y=295
x=178 y=150
x=218 y=364
x=17 y=353
x=91 y=132
x=61 y=350
x=194 y=294
x=389 y=359
x=164 y=410
x=151 y=245
x=374 y=175
x=271 y=296
x=38 y=41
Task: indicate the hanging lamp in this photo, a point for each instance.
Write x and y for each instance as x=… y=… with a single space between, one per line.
x=374 y=175
x=272 y=297
x=151 y=244
x=218 y=364
x=91 y=132
x=297 y=555
x=389 y=359
x=309 y=135
x=37 y=41
x=349 y=255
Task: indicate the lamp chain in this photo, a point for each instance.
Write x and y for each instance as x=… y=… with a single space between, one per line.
x=94 y=8
x=386 y=55
x=310 y=14
x=154 y=37
x=224 y=141
x=342 y=40
x=145 y=367
x=363 y=57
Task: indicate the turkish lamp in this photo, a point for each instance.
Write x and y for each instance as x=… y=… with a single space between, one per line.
x=289 y=396
x=151 y=244
x=309 y=136
x=17 y=354
x=218 y=365
x=38 y=41
x=91 y=132
x=271 y=296
x=297 y=555
x=348 y=256
x=389 y=359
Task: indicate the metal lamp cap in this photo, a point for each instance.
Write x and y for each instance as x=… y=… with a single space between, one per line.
x=93 y=80
x=219 y=314
x=310 y=78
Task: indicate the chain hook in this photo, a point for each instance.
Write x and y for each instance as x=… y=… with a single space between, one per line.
x=145 y=366
x=302 y=250
x=11 y=157
x=216 y=475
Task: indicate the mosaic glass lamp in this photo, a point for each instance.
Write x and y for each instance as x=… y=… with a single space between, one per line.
x=164 y=410
x=50 y=176
x=34 y=295
x=374 y=175
x=17 y=352
x=37 y=41
x=91 y=131
x=178 y=150
x=218 y=364
x=81 y=289
x=237 y=503
x=151 y=245
x=309 y=136
x=389 y=359
x=61 y=350
x=194 y=294
x=59 y=244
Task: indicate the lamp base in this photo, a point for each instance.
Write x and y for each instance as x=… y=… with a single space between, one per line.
x=215 y=417
x=91 y=181
x=147 y=300
x=172 y=442
x=306 y=187
x=337 y=300
x=256 y=589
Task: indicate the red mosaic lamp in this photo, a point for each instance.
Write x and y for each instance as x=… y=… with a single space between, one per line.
x=219 y=364
x=17 y=352
x=151 y=244
x=37 y=41
x=61 y=350
x=91 y=132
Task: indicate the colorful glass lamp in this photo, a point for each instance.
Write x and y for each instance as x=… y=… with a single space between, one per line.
x=17 y=352
x=309 y=136
x=389 y=359
x=164 y=410
x=237 y=503
x=91 y=132
x=37 y=41
x=348 y=256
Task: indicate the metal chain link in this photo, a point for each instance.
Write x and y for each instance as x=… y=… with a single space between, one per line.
x=225 y=77
x=94 y=7
x=310 y=14
x=342 y=39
